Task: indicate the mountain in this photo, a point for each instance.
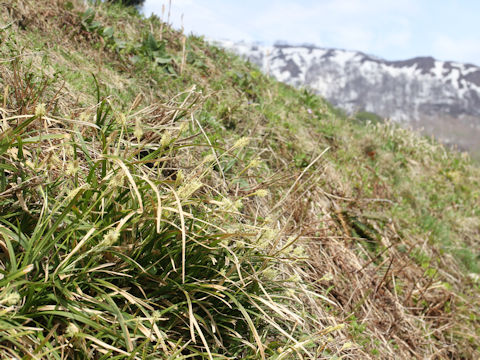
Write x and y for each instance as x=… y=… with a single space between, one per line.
x=440 y=97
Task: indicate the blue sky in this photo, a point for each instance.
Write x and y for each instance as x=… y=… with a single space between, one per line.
x=392 y=29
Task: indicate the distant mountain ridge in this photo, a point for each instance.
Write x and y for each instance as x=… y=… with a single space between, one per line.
x=440 y=97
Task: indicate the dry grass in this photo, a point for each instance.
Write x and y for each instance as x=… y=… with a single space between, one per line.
x=345 y=270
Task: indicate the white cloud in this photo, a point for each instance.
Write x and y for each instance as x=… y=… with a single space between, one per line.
x=345 y=23
x=364 y=25
x=390 y=28
x=198 y=18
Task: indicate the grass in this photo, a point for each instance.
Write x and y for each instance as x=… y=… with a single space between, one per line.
x=160 y=198
x=107 y=227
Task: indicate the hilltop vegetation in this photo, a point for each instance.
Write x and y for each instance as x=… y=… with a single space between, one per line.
x=162 y=199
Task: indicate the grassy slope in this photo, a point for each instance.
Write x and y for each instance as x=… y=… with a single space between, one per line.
x=365 y=245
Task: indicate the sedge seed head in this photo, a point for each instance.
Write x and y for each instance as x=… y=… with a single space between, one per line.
x=295 y=278
x=12 y=298
x=117 y=180
x=238 y=204
x=327 y=277
x=156 y=316
x=183 y=127
x=261 y=193
x=84 y=117
x=299 y=252
x=166 y=139
x=110 y=238
x=180 y=177
x=72 y=330
x=187 y=190
x=122 y=119
x=209 y=158
x=241 y=143
x=72 y=167
x=138 y=131
x=254 y=163
x=347 y=345
x=269 y=273
x=72 y=193
x=40 y=110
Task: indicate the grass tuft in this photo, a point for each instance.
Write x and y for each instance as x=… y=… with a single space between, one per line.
x=162 y=199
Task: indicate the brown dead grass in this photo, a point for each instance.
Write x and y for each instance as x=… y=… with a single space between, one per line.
x=420 y=321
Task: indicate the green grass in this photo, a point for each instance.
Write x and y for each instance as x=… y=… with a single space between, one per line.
x=172 y=202
x=102 y=231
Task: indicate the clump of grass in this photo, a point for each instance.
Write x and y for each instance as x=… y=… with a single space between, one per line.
x=114 y=243
x=322 y=237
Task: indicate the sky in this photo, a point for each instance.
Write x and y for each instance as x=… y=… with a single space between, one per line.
x=391 y=29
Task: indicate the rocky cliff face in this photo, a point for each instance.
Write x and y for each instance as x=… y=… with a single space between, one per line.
x=442 y=98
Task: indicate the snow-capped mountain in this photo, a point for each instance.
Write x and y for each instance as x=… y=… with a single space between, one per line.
x=440 y=97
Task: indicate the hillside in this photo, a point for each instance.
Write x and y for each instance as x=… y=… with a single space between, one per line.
x=440 y=98
x=160 y=198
